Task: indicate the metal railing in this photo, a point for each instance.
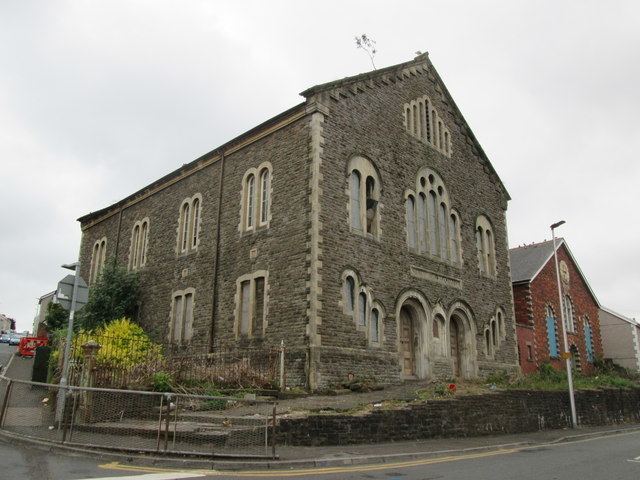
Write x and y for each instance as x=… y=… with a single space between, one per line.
x=141 y=421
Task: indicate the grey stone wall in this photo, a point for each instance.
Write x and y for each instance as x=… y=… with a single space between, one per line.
x=369 y=122
x=499 y=413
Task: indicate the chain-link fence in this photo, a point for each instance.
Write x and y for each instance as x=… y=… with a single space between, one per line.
x=140 y=421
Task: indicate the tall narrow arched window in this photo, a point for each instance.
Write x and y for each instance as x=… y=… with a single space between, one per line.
x=264 y=196
x=487 y=341
x=144 y=239
x=374 y=334
x=588 y=340
x=422 y=223
x=103 y=254
x=494 y=332
x=501 y=326
x=410 y=213
x=568 y=314
x=442 y=230
x=250 y=202
x=184 y=227
x=480 y=248
x=432 y=223
x=135 y=251
x=552 y=338
x=372 y=204
x=195 y=220
x=453 y=236
x=362 y=308
x=349 y=293
x=354 y=190
x=489 y=251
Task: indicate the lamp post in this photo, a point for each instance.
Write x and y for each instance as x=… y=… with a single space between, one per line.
x=62 y=391
x=565 y=354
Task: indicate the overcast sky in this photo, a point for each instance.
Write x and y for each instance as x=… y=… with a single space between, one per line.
x=97 y=99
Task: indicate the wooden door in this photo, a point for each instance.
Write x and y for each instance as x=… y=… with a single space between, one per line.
x=455 y=346
x=406 y=343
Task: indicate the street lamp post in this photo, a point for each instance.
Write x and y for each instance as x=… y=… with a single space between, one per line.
x=62 y=391
x=566 y=354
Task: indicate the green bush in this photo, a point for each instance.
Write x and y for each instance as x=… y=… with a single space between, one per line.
x=162 y=382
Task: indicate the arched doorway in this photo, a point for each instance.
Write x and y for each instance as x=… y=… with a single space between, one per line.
x=462 y=342
x=408 y=342
x=413 y=336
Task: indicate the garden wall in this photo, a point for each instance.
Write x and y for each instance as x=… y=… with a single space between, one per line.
x=469 y=416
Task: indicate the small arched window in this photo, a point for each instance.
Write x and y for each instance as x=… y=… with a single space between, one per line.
x=134 y=245
x=139 y=241
x=486 y=247
x=411 y=221
x=494 y=332
x=552 y=337
x=250 y=203
x=374 y=334
x=364 y=197
x=354 y=181
x=454 y=238
x=487 y=342
x=480 y=247
x=362 y=309
x=569 y=321
x=501 y=326
x=349 y=294
x=189 y=223
x=442 y=230
x=98 y=258
x=265 y=186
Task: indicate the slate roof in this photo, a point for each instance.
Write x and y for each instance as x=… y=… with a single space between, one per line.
x=528 y=260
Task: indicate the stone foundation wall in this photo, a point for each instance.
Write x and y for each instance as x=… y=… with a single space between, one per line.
x=499 y=413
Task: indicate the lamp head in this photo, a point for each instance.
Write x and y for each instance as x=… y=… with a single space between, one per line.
x=557 y=224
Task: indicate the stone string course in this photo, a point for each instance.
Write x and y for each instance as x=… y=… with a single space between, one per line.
x=471 y=416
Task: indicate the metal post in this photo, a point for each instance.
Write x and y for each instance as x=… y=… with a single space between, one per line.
x=273 y=433
x=159 y=423
x=62 y=391
x=566 y=354
x=5 y=402
x=167 y=423
x=282 y=386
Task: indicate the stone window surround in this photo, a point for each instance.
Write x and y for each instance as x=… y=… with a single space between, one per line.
x=422 y=121
x=98 y=258
x=496 y=331
x=549 y=308
x=442 y=197
x=365 y=169
x=237 y=312
x=186 y=330
x=256 y=174
x=192 y=230
x=371 y=304
x=487 y=256
x=586 y=323
x=138 y=251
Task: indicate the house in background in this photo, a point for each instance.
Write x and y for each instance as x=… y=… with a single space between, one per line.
x=43 y=302
x=537 y=308
x=6 y=323
x=620 y=339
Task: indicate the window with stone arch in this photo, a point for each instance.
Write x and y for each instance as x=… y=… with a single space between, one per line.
x=432 y=226
x=364 y=197
x=252 y=300
x=255 y=211
x=422 y=121
x=588 y=339
x=358 y=303
x=569 y=319
x=139 y=244
x=98 y=258
x=181 y=320
x=189 y=224
x=485 y=246
x=375 y=324
x=349 y=289
x=552 y=334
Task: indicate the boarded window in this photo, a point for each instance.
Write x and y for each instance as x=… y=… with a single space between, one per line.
x=362 y=308
x=354 y=188
x=551 y=334
x=245 y=307
x=375 y=326
x=411 y=222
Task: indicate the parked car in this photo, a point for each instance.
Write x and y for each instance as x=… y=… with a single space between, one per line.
x=14 y=340
x=4 y=338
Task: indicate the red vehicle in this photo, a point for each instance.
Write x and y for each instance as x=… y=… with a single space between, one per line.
x=28 y=345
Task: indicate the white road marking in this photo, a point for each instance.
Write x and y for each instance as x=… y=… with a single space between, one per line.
x=153 y=476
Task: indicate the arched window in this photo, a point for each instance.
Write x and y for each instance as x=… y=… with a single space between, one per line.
x=552 y=337
x=442 y=229
x=486 y=247
x=422 y=223
x=349 y=293
x=362 y=308
x=364 y=197
x=356 y=221
x=588 y=340
x=432 y=223
x=487 y=342
x=139 y=240
x=411 y=221
x=501 y=326
x=189 y=223
x=454 y=237
x=98 y=258
x=144 y=240
x=265 y=186
x=250 y=203
x=195 y=219
x=374 y=334
x=494 y=332
x=480 y=247
x=569 y=321
x=134 y=246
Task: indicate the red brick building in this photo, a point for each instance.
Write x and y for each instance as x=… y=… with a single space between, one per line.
x=537 y=309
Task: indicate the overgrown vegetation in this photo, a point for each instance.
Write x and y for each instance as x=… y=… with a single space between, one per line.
x=114 y=295
x=56 y=317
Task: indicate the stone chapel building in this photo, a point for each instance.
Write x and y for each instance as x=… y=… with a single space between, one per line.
x=365 y=227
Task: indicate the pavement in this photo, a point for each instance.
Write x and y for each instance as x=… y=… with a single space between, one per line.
x=331 y=456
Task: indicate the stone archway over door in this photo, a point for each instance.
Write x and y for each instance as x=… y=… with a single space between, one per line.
x=413 y=337
x=462 y=344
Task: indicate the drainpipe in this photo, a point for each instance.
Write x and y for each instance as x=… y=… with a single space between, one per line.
x=214 y=302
